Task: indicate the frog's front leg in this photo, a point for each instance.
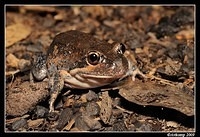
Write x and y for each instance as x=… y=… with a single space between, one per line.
x=133 y=70
x=56 y=84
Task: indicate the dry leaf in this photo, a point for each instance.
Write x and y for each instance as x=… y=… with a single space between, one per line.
x=106 y=108
x=172 y=124
x=153 y=94
x=38 y=8
x=12 y=61
x=185 y=34
x=16 y=32
x=35 y=123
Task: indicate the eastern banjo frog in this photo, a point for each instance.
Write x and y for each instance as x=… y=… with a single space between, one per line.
x=79 y=60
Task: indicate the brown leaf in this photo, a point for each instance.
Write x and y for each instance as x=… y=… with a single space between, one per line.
x=106 y=108
x=35 y=123
x=185 y=34
x=12 y=61
x=16 y=32
x=153 y=94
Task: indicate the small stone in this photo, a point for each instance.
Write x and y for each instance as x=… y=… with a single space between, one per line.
x=64 y=117
x=92 y=109
x=119 y=126
x=145 y=127
x=91 y=96
x=41 y=112
x=19 y=124
x=86 y=123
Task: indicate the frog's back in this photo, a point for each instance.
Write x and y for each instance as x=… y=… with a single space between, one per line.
x=66 y=42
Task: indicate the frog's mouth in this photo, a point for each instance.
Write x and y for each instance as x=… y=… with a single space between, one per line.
x=86 y=80
x=92 y=77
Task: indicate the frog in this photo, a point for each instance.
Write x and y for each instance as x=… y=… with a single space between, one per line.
x=78 y=60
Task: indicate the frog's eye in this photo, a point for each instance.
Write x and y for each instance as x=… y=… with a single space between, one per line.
x=121 y=48
x=93 y=58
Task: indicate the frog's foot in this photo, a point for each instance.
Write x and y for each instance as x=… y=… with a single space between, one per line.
x=137 y=72
x=133 y=74
x=52 y=100
x=31 y=79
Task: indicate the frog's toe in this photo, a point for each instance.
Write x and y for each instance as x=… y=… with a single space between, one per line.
x=51 y=106
x=138 y=72
x=53 y=116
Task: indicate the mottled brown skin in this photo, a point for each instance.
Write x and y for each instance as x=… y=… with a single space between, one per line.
x=78 y=60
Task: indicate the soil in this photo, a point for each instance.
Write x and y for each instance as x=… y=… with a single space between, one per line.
x=162 y=38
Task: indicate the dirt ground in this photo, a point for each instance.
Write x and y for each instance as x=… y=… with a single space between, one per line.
x=162 y=38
